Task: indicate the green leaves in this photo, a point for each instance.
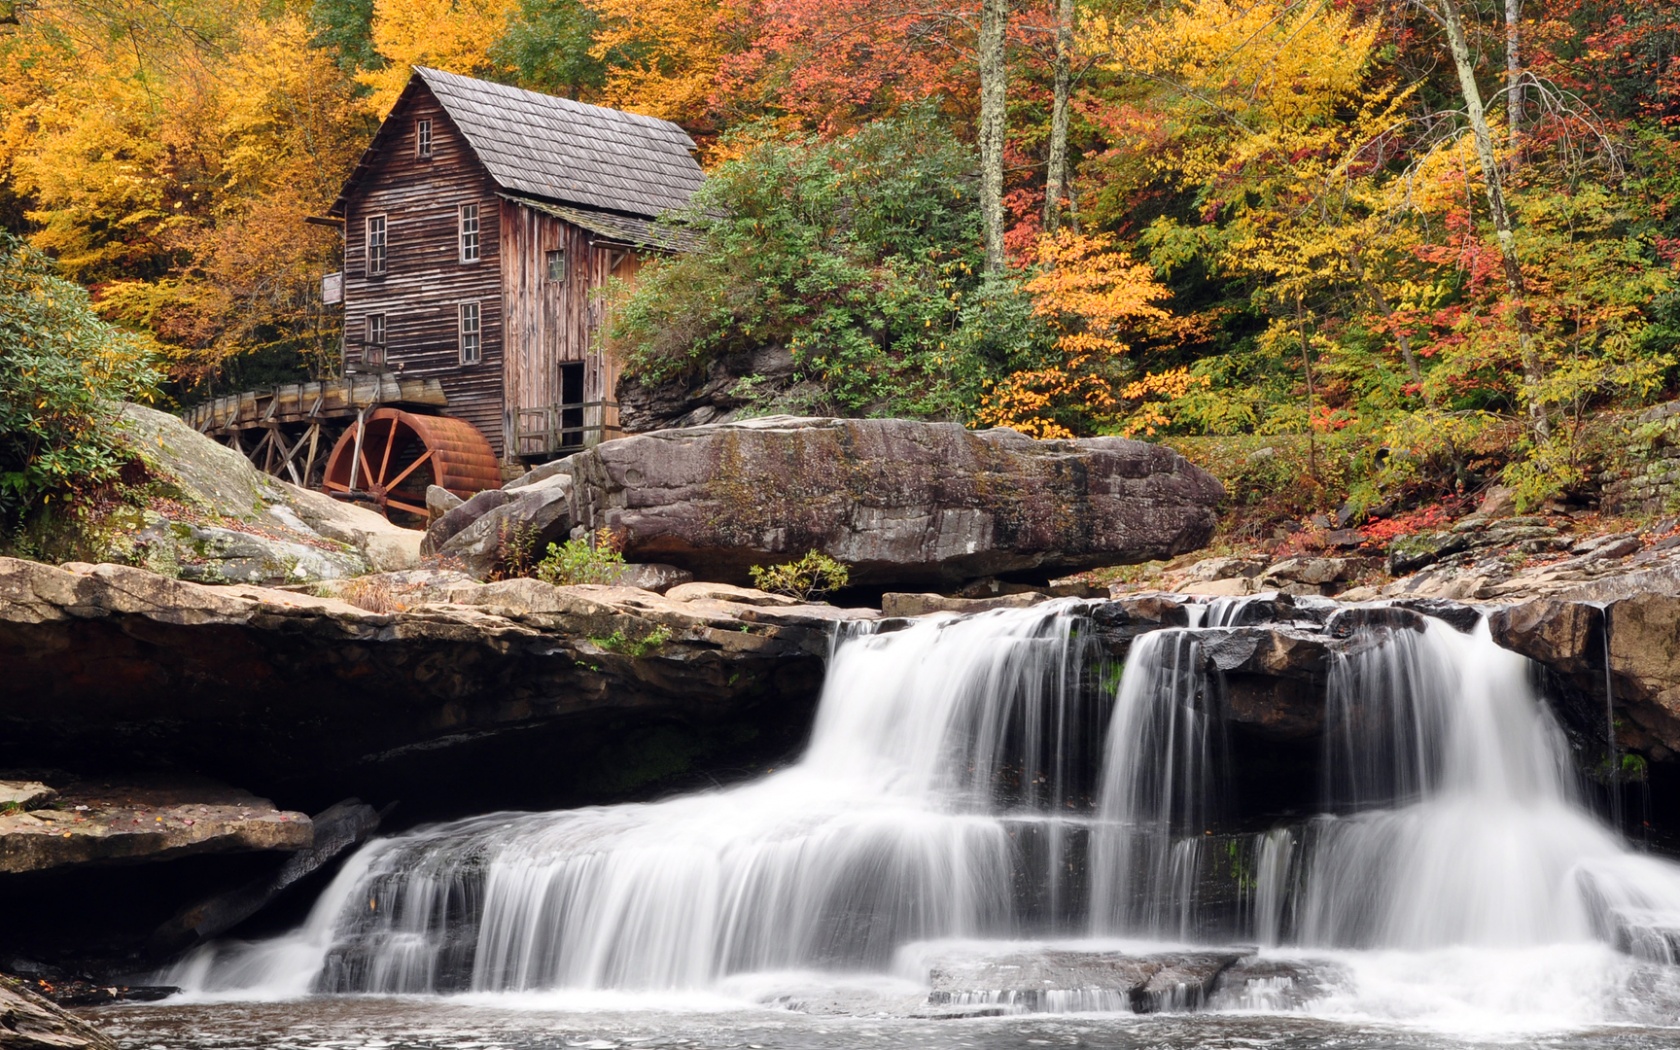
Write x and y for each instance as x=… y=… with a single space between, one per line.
x=62 y=373
x=861 y=254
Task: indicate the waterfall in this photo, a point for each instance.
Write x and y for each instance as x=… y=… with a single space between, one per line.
x=986 y=778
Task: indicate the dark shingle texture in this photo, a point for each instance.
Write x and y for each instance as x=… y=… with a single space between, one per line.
x=541 y=146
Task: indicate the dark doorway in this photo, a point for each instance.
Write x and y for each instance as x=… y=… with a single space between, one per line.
x=571 y=402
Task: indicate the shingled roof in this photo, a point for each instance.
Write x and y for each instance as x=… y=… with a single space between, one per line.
x=554 y=149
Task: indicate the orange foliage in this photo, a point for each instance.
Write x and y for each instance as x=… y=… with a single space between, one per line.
x=1094 y=298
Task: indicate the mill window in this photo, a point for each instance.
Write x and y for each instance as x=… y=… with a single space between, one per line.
x=373 y=347
x=557 y=265
x=375 y=245
x=472 y=344
x=423 y=138
x=469 y=233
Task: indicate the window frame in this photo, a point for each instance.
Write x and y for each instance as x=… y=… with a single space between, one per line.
x=461 y=233
x=470 y=340
x=549 y=258
x=370 y=322
x=368 y=267
x=423 y=138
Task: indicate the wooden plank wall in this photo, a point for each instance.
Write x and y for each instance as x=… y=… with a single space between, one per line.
x=549 y=323
x=425 y=281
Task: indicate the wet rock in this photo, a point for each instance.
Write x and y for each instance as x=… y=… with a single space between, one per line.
x=120 y=823
x=1463 y=618
x=895 y=604
x=29 y=1021
x=1063 y=981
x=1257 y=982
x=337 y=830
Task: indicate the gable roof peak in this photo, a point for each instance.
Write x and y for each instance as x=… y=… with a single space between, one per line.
x=558 y=149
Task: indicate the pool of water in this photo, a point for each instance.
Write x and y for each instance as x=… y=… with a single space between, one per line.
x=366 y=1023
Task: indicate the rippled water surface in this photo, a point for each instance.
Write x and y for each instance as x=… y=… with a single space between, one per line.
x=412 y=1024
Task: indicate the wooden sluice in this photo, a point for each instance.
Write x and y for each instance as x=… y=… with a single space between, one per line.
x=288 y=430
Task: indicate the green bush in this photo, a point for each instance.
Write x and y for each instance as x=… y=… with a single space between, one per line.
x=812 y=576
x=63 y=375
x=861 y=254
x=595 y=559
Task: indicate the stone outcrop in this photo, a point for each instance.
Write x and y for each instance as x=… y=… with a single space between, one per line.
x=337 y=830
x=452 y=695
x=117 y=823
x=899 y=501
x=29 y=1021
x=1628 y=626
x=222 y=520
x=717 y=393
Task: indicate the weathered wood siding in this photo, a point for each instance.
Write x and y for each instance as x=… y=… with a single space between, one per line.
x=425 y=282
x=549 y=323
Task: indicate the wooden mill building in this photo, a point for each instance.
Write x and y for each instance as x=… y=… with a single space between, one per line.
x=480 y=227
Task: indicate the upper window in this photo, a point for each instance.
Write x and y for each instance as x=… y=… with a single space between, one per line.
x=373 y=348
x=557 y=265
x=472 y=343
x=469 y=233
x=375 y=245
x=423 y=138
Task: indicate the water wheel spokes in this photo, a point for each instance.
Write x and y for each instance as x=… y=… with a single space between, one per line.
x=390 y=457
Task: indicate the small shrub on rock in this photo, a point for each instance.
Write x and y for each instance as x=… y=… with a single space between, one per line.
x=592 y=559
x=812 y=576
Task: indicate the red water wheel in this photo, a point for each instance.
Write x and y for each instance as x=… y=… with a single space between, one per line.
x=390 y=458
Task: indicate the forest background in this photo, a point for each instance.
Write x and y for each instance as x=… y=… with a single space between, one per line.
x=1422 y=244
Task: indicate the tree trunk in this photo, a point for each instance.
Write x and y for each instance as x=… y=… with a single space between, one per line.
x=1513 y=70
x=1515 y=288
x=1056 y=174
x=994 y=79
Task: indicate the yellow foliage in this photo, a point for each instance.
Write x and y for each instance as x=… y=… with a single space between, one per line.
x=663 y=55
x=452 y=35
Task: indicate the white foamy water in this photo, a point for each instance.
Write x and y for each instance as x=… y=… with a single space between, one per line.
x=981 y=781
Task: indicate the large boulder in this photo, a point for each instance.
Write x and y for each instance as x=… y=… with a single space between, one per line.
x=899 y=501
x=209 y=515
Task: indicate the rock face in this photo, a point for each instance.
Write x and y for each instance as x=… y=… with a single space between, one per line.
x=1627 y=626
x=227 y=522
x=716 y=394
x=29 y=1021
x=336 y=830
x=453 y=696
x=896 y=500
x=123 y=822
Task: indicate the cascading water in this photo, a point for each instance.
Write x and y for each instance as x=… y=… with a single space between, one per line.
x=932 y=802
x=984 y=779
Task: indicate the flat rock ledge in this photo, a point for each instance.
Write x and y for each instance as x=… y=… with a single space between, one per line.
x=115 y=823
x=566 y=693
